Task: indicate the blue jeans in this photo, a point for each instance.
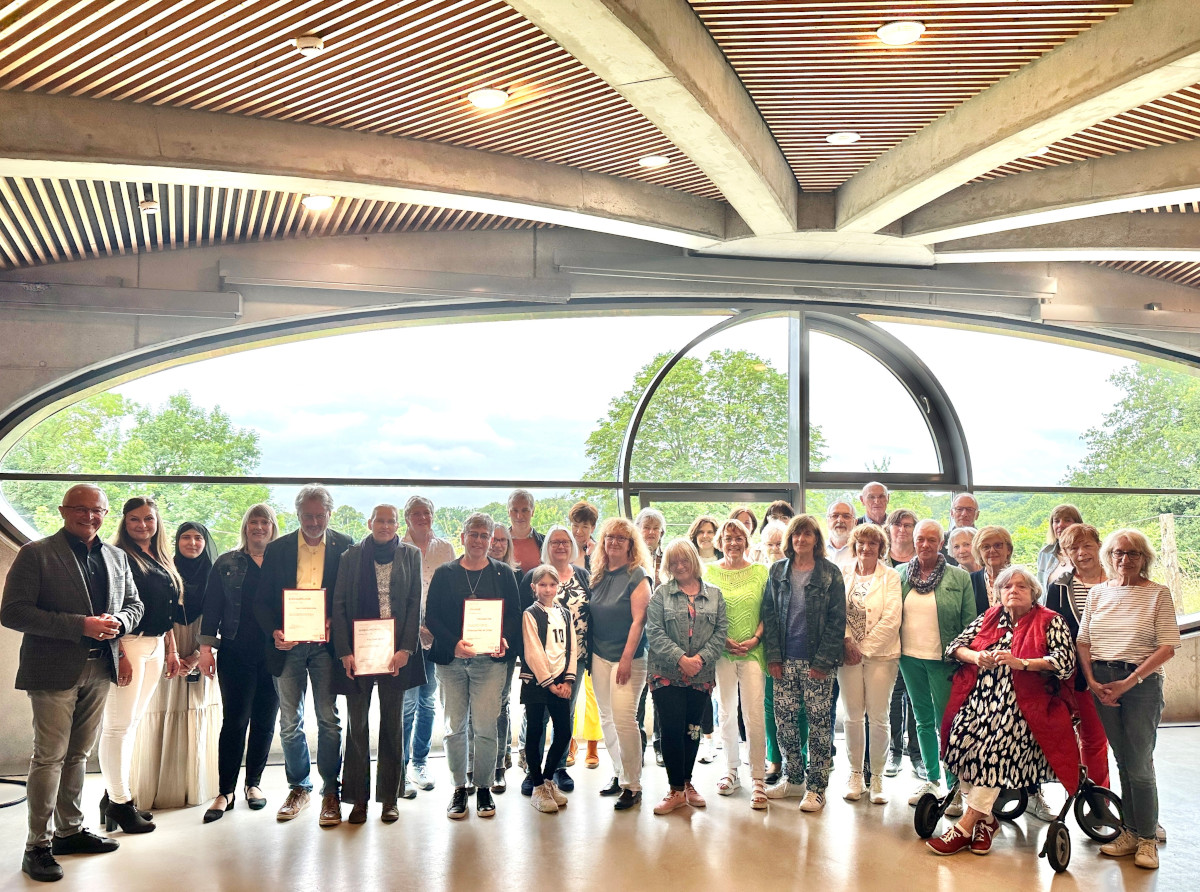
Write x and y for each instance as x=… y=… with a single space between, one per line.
x=305 y=661
x=471 y=695
x=1132 y=729
x=418 y=716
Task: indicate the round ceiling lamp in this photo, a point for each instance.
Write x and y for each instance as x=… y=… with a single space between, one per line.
x=487 y=98
x=317 y=202
x=842 y=138
x=901 y=33
x=653 y=162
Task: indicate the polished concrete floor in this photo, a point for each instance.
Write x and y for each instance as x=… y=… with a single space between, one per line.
x=588 y=846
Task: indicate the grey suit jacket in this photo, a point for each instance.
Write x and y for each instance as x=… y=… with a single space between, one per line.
x=46 y=598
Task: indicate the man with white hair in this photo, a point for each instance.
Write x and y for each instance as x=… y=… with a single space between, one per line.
x=964 y=512
x=874 y=498
x=840 y=519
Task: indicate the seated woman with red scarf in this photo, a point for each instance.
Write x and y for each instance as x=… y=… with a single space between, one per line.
x=1008 y=722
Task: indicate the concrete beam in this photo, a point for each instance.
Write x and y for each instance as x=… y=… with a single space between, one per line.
x=1131 y=236
x=1153 y=177
x=661 y=58
x=1139 y=55
x=59 y=298
x=54 y=136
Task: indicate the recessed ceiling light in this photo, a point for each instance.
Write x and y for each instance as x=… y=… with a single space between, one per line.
x=487 y=98
x=317 y=202
x=842 y=138
x=901 y=33
x=654 y=161
x=309 y=45
x=148 y=206
x=1037 y=153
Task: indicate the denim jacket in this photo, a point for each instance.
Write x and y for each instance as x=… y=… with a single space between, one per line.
x=824 y=612
x=223 y=611
x=667 y=632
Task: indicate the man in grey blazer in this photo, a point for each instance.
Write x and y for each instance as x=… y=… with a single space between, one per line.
x=72 y=596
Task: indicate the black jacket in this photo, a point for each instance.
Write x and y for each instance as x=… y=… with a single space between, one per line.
x=223 y=602
x=444 y=609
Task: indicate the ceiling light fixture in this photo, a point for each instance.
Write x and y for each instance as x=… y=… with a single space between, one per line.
x=842 y=138
x=487 y=98
x=309 y=45
x=900 y=33
x=148 y=205
x=1038 y=153
x=654 y=162
x=317 y=202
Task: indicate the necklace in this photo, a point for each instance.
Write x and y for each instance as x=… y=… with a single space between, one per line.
x=474 y=586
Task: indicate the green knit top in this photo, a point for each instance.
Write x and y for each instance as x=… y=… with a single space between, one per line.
x=743 y=590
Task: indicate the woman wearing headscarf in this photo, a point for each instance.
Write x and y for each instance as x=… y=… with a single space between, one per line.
x=175 y=758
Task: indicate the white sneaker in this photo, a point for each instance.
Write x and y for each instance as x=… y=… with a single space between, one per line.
x=556 y=794
x=812 y=801
x=419 y=777
x=1125 y=844
x=1147 y=854
x=877 y=795
x=542 y=800
x=927 y=787
x=708 y=752
x=1039 y=808
x=785 y=790
x=854 y=787
x=955 y=808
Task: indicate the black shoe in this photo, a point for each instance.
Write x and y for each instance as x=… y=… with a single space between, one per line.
x=457 y=809
x=146 y=816
x=613 y=788
x=215 y=814
x=85 y=842
x=485 y=805
x=255 y=802
x=564 y=780
x=126 y=816
x=773 y=778
x=918 y=770
x=627 y=799
x=500 y=785
x=40 y=865
x=527 y=786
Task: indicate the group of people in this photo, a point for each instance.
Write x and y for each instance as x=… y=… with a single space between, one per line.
x=756 y=632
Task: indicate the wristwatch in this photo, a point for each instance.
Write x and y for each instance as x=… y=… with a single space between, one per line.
x=1025 y=665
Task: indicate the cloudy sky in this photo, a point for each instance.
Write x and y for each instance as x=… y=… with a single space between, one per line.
x=517 y=399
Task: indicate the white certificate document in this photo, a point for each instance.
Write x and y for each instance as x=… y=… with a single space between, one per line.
x=304 y=614
x=374 y=645
x=483 y=624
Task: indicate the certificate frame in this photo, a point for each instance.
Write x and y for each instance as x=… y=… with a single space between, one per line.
x=374 y=646
x=304 y=615
x=483 y=624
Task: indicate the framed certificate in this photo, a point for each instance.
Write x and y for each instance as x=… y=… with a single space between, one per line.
x=483 y=624
x=374 y=645
x=304 y=614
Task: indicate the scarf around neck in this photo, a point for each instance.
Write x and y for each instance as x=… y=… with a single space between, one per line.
x=368 y=590
x=914 y=574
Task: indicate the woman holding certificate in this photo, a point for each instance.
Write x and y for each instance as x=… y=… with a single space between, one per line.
x=474 y=615
x=376 y=622
x=620 y=594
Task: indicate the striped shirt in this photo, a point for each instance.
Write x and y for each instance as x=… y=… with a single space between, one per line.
x=1128 y=623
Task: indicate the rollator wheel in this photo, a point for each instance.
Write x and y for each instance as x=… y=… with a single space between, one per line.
x=1057 y=848
x=929 y=812
x=1098 y=811
x=1010 y=804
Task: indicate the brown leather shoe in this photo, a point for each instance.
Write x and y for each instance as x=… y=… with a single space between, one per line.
x=391 y=814
x=358 y=814
x=295 y=803
x=331 y=810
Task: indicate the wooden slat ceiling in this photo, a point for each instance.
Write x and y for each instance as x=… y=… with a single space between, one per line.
x=48 y=221
x=1179 y=273
x=398 y=68
x=816 y=66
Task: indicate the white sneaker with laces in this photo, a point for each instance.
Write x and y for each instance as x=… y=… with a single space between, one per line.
x=1125 y=844
x=955 y=808
x=708 y=752
x=812 y=802
x=926 y=787
x=785 y=790
x=878 y=797
x=1040 y=809
x=855 y=787
x=542 y=800
x=419 y=777
x=1147 y=854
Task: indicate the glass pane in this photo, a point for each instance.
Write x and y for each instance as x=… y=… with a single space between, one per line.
x=721 y=413
x=864 y=418
x=514 y=399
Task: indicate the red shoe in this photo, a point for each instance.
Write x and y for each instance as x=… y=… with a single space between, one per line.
x=981 y=837
x=951 y=842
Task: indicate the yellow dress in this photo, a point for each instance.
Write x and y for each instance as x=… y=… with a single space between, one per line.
x=587 y=713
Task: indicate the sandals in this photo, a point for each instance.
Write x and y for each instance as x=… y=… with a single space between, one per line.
x=727 y=784
x=758 y=799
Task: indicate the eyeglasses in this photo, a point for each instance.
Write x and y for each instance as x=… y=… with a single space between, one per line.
x=839 y=515
x=618 y=539
x=84 y=510
x=478 y=535
x=1119 y=555
x=313 y=518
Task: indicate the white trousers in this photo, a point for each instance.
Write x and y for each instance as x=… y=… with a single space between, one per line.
x=746 y=676
x=982 y=799
x=618 y=705
x=123 y=710
x=866 y=690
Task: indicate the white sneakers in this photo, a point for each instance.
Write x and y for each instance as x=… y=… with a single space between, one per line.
x=815 y=802
x=785 y=790
x=926 y=787
x=543 y=800
x=1039 y=808
x=855 y=787
x=1145 y=851
x=878 y=797
x=1147 y=854
x=955 y=808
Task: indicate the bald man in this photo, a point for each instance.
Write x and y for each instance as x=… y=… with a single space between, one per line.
x=72 y=597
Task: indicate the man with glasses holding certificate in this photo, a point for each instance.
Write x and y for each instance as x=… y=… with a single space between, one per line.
x=474 y=615
x=293 y=606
